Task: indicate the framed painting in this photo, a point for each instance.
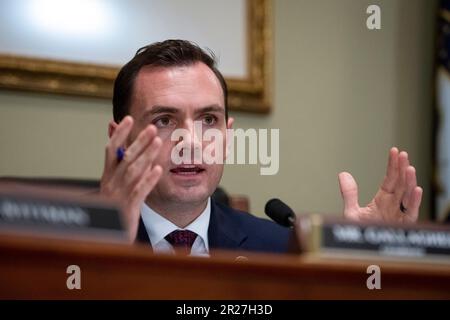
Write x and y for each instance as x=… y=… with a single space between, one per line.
x=76 y=47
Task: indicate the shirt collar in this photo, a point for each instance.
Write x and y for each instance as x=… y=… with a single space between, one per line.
x=158 y=227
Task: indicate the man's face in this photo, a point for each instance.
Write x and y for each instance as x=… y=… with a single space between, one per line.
x=174 y=98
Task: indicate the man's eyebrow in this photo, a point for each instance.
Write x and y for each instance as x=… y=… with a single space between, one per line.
x=211 y=108
x=160 y=109
x=166 y=109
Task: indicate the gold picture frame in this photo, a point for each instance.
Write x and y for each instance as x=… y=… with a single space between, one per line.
x=250 y=94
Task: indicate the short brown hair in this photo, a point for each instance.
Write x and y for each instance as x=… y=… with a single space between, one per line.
x=169 y=53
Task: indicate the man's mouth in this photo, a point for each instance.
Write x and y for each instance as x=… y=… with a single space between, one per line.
x=187 y=170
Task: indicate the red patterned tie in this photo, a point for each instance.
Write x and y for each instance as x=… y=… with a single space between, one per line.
x=182 y=239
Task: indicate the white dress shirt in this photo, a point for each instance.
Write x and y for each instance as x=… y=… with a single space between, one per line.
x=159 y=227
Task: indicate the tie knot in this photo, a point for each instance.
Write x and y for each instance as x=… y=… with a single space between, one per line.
x=182 y=239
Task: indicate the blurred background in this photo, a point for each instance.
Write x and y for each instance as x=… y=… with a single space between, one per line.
x=342 y=96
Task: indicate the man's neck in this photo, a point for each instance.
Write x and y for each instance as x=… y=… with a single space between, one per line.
x=180 y=214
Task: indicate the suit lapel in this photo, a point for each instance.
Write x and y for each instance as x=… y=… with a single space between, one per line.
x=142 y=235
x=223 y=232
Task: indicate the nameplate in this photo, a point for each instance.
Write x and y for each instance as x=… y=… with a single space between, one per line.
x=327 y=236
x=62 y=217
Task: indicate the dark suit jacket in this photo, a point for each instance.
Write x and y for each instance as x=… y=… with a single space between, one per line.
x=236 y=230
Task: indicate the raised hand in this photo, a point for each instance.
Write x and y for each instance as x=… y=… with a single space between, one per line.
x=130 y=180
x=397 y=200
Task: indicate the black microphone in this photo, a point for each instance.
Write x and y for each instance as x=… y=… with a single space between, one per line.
x=280 y=212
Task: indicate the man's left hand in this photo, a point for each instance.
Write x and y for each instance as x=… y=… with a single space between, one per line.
x=397 y=200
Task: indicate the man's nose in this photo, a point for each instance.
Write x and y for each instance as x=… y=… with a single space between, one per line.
x=192 y=143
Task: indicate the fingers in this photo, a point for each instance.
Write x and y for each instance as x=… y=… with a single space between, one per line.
x=401 y=185
x=129 y=168
x=390 y=179
x=145 y=184
x=137 y=147
x=414 y=204
x=413 y=195
x=401 y=180
x=129 y=174
x=411 y=184
x=349 y=191
x=119 y=178
x=118 y=139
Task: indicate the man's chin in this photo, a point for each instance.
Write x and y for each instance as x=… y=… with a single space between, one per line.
x=193 y=195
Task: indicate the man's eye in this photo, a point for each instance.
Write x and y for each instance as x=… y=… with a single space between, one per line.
x=163 y=122
x=209 y=120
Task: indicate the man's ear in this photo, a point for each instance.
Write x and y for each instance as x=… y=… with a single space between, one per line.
x=230 y=123
x=112 y=126
x=229 y=137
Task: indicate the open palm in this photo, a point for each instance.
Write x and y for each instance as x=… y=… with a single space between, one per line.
x=397 y=200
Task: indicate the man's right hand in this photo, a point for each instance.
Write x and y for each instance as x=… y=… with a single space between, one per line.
x=130 y=180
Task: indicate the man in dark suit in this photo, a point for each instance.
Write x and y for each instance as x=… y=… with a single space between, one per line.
x=236 y=230
x=174 y=86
